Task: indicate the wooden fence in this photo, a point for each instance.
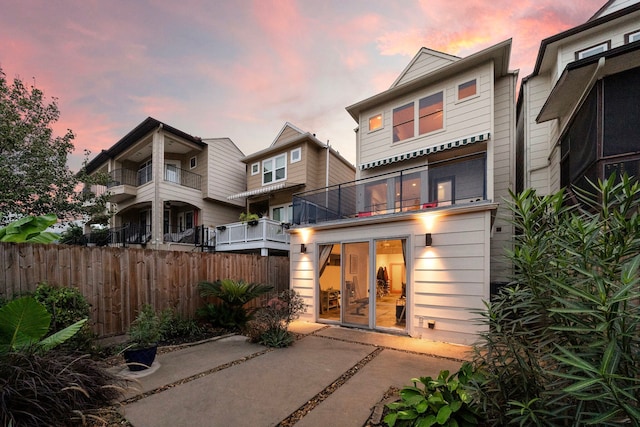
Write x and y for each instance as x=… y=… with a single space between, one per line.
x=118 y=281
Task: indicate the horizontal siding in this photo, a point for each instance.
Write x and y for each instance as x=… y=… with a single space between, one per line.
x=287 y=134
x=460 y=119
x=446 y=281
x=226 y=172
x=424 y=64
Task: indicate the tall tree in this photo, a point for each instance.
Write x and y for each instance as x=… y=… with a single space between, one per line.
x=34 y=176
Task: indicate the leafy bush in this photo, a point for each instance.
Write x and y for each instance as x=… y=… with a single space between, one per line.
x=230 y=313
x=269 y=325
x=66 y=306
x=562 y=344
x=445 y=401
x=145 y=329
x=74 y=235
x=53 y=389
x=173 y=326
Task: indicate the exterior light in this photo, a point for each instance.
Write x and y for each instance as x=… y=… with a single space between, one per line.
x=428 y=241
x=303 y=248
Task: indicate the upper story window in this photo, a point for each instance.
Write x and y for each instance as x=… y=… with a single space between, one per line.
x=431 y=113
x=274 y=169
x=296 y=155
x=193 y=162
x=375 y=122
x=255 y=168
x=403 y=119
x=593 y=50
x=632 y=37
x=467 y=89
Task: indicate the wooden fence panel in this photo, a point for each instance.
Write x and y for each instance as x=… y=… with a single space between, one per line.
x=118 y=281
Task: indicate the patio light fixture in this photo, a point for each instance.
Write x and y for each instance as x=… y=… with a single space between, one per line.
x=428 y=241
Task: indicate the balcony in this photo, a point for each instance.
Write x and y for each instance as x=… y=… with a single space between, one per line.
x=438 y=185
x=263 y=234
x=123 y=183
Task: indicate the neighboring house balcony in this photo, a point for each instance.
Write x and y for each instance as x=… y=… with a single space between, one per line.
x=438 y=185
x=123 y=183
x=263 y=234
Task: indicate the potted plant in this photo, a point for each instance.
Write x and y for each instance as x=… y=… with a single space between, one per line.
x=144 y=334
x=249 y=218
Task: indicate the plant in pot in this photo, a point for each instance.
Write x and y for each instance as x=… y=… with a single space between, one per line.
x=144 y=334
x=249 y=218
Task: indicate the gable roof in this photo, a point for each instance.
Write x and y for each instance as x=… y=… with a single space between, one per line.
x=434 y=59
x=598 y=19
x=499 y=53
x=288 y=130
x=147 y=125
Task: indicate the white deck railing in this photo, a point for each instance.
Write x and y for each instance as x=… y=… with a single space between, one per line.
x=265 y=230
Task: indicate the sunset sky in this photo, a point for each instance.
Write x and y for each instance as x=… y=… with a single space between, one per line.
x=242 y=68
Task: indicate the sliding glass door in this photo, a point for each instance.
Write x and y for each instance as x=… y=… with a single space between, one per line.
x=355 y=284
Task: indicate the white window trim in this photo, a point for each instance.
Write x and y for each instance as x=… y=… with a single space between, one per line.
x=457 y=89
x=294 y=151
x=381 y=122
x=635 y=34
x=581 y=53
x=288 y=211
x=255 y=168
x=273 y=159
x=193 y=162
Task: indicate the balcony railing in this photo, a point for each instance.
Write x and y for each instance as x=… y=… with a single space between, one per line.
x=142 y=176
x=258 y=231
x=444 y=183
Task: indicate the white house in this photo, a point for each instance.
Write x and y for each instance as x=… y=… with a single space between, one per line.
x=414 y=244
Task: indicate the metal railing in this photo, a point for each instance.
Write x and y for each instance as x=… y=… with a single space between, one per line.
x=438 y=184
x=144 y=175
x=252 y=231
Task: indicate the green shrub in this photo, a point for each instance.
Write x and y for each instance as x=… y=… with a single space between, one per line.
x=562 y=344
x=230 y=312
x=444 y=401
x=66 y=306
x=74 y=235
x=173 y=326
x=145 y=329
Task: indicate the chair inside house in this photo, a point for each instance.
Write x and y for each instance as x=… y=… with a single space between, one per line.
x=355 y=297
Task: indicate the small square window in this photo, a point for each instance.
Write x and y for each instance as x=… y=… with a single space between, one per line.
x=255 y=168
x=467 y=89
x=296 y=155
x=632 y=37
x=593 y=50
x=193 y=162
x=375 y=122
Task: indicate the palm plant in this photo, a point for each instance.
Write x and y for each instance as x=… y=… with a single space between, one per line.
x=233 y=294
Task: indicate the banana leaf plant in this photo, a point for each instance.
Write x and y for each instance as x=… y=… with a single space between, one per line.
x=24 y=322
x=30 y=229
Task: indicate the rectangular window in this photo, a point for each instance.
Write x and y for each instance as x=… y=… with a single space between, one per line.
x=431 y=113
x=296 y=155
x=193 y=162
x=375 y=122
x=255 y=168
x=467 y=89
x=632 y=37
x=188 y=220
x=274 y=169
x=594 y=50
x=403 y=119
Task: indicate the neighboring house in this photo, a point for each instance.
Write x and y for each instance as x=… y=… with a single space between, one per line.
x=168 y=188
x=578 y=112
x=414 y=244
x=295 y=161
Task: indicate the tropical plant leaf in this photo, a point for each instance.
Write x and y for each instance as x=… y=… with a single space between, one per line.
x=61 y=336
x=23 y=322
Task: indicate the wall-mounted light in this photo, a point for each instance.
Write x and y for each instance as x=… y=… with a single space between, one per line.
x=428 y=241
x=303 y=248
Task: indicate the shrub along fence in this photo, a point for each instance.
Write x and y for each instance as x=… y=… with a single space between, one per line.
x=118 y=281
